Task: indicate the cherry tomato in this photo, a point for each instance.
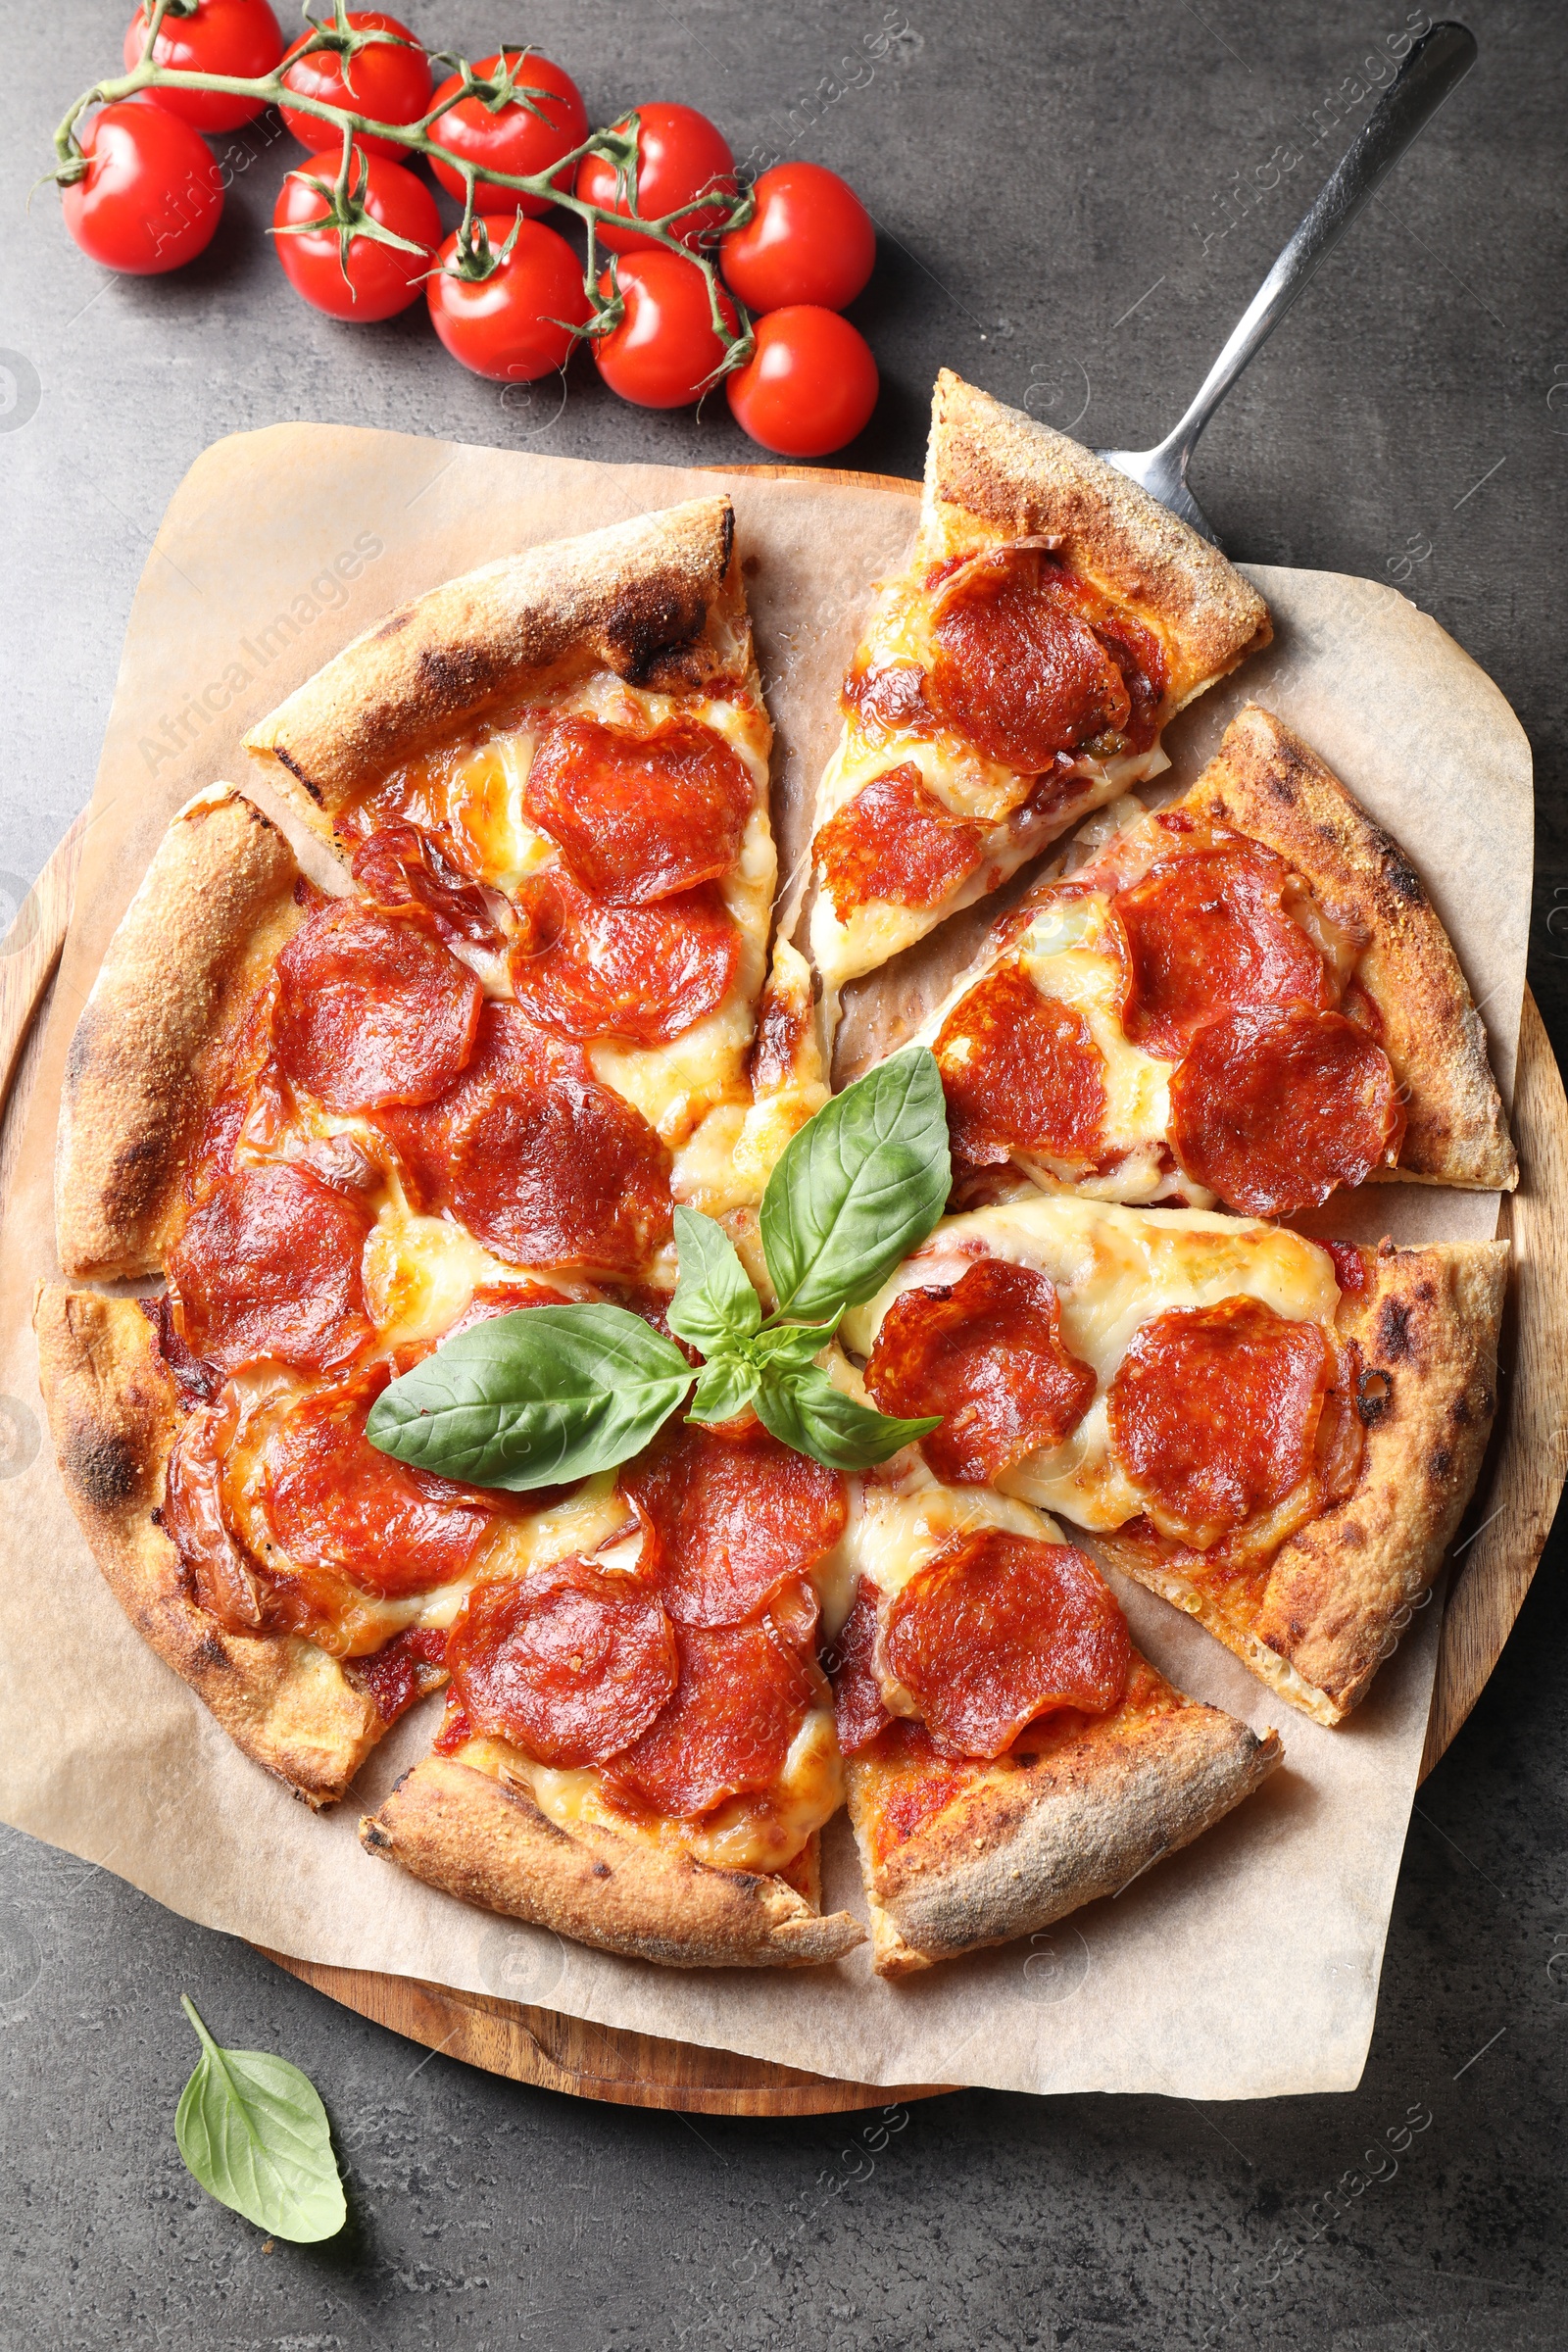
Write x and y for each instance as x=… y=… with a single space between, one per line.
x=509 y=326
x=223 y=36
x=383 y=279
x=664 y=350
x=679 y=155
x=389 y=85
x=151 y=197
x=512 y=140
x=809 y=239
x=808 y=387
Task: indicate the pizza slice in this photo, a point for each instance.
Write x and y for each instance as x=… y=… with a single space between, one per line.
x=1051 y=619
x=1010 y=1755
x=1243 y=997
x=563 y=758
x=1278 y=1436
x=639 y=1747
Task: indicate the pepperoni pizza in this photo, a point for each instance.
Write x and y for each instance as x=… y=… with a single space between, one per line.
x=1051 y=619
x=465 y=1052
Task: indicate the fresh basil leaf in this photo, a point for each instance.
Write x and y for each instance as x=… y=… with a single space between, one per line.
x=715 y=1302
x=544 y=1394
x=252 y=2130
x=805 y=1409
x=791 y=1346
x=726 y=1387
x=858 y=1188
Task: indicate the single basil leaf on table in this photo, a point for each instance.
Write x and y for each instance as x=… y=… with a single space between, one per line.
x=535 y=1397
x=715 y=1302
x=726 y=1387
x=805 y=1409
x=252 y=2130
x=858 y=1188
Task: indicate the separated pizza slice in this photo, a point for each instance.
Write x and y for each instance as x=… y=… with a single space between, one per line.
x=306 y=1113
x=1009 y=1755
x=1052 y=618
x=1278 y=1435
x=564 y=759
x=1244 y=997
x=639 y=1744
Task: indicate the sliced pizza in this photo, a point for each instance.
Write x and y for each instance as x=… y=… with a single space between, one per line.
x=639 y=1744
x=1051 y=618
x=1010 y=1755
x=1244 y=997
x=1277 y=1435
x=563 y=761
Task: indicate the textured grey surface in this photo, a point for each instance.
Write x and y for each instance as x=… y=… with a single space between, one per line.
x=1075 y=201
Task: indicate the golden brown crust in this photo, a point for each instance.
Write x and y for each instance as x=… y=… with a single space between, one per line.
x=1340 y=1588
x=635 y=597
x=486 y=1841
x=1018 y=477
x=1028 y=1841
x=1266 y=782
x=193 y=947
x=113 y=1417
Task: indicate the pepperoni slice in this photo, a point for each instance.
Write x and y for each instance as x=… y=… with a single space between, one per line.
x=1019 y=670
x=540 y=1161
x=336 y=1504
x=373 y=1009
x=985 y=1353
x=734 y=1519
x=742 y=1695
x=996 y=1629
x=401 y=1670
x=1274 y=1107
x=1207 y=932
x=1021 y=1073
x=572 y=1664
x=1214 y=1414
x=649 y=973
x=896 y=842
x=640 y=817
x=857 y=1707
x=887 y=696
x=398 y=867
x=268 y=1268
x=225 y=1578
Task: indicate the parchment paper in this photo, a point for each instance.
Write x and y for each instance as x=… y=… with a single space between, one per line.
x=1245 y=1967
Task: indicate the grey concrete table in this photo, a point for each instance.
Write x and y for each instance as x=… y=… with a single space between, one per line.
x=1075 y=199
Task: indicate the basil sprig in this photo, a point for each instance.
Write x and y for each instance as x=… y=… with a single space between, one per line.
x=553 y=1392
x=252 y=2130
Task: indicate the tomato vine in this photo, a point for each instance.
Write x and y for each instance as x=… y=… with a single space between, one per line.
x=343 y=191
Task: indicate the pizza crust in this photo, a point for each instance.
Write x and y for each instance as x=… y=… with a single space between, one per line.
x=113 y=1417
x=1025 y=1844
x=486 y=1841
x=998 y=468
x=193 y=947
x=1268 y=783
x=635 y=598
x=1330 y=1612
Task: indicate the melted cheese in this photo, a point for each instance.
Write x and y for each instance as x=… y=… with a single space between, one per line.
x=747 y=1832
x=1114 y=1269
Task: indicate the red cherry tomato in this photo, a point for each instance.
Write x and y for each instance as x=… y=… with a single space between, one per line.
x=809 y=239
x=679 y=155
x=808 y=387
x=509 y=326
x=223 y=36
x=512 y=140
x=386 y=82
x=383 y=279
x=664 y=350
x=150 y=196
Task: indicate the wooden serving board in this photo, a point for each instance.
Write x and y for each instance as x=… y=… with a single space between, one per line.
x=1511 y=1516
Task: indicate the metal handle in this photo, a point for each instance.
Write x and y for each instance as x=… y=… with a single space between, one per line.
x=1439 y=60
